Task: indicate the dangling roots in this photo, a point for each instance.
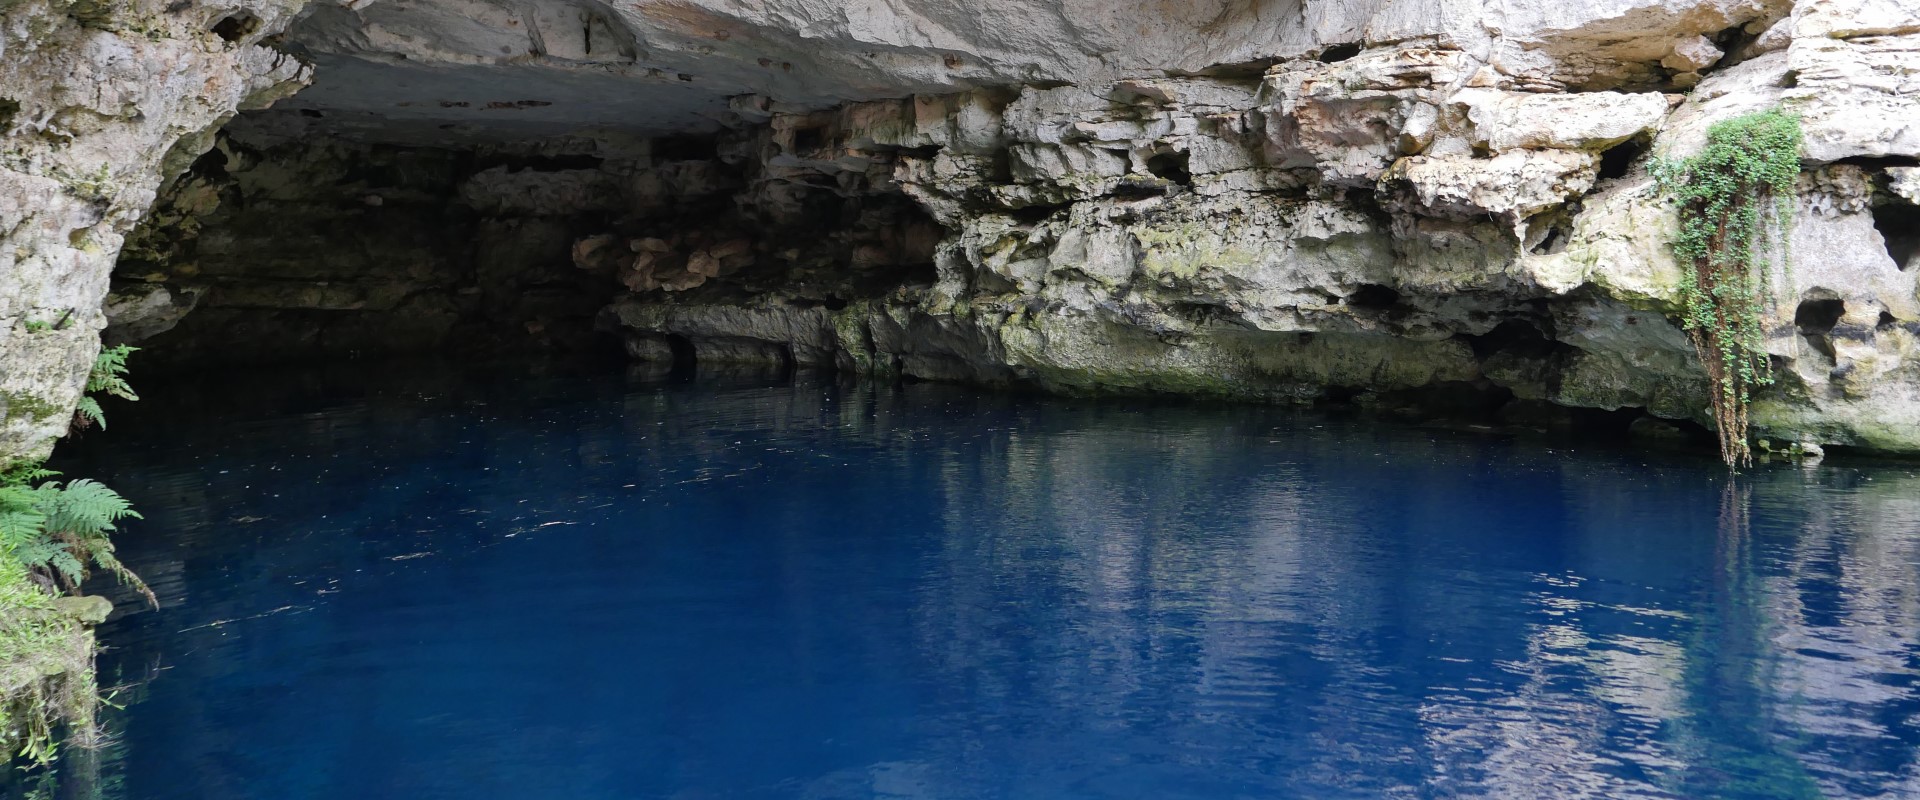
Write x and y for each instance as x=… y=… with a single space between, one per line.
x=1735 y=201
x=1734 y=367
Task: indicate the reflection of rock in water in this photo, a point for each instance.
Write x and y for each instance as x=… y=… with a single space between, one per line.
x=1607 y=699
x=1842 y=605
x=1297 y=606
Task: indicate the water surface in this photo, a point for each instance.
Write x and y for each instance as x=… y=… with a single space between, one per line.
x=410 y=583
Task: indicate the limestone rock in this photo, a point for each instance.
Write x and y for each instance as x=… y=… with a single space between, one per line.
x=90 y=609
x=1594 y=121
x=1905 y=182
x=499 y=190
x=1654 y=429
x=97 y=111
x=1337 y=199
x=139 y=311
x=1692 y=54
x=1512 y=186
x=1846 y=19
x=1856 y=96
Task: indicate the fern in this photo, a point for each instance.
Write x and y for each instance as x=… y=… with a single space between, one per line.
x=21 y=518
x=23 y=474
x=85 y=505
x=88 y=413
x=109 y=377
x=60 y=532
x=109 y=372
x=50 y=536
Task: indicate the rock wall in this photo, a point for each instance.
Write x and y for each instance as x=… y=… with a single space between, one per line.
x=99 y=101
x=1290 y=200
x=1385 y=220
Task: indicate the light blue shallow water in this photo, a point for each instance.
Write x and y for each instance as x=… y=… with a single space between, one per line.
x=402 y=584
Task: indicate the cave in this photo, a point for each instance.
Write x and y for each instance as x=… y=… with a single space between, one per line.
x=307 y=235
x=1017 y=398
x=1616 y=161
x=1171 y=167
x=1815 y=318
x=482 y=210
x=1374 y=297
x=1337 y=53
x=1899 y=227
x=695 y=188
x=235 y=27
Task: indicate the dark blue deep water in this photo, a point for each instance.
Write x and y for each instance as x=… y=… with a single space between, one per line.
x=403 y=582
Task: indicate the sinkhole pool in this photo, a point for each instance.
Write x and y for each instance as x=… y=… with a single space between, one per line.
x=414 y=582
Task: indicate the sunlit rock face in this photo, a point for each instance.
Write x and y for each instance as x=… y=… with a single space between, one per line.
x=1382 y=202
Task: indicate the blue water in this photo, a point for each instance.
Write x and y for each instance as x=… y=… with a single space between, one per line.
x=409 y=583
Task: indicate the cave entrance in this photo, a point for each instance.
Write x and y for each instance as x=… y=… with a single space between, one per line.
x=284 y=243
x=296 y=238
x=502 y=194
x=1814 y=319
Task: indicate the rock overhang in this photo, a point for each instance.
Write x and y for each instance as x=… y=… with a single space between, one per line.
x=510 y=69
x=1216 y=197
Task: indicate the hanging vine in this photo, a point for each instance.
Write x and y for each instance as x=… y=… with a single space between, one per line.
x=1736 y=202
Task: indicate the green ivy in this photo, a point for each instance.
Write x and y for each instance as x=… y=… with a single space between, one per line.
x=1735 y=200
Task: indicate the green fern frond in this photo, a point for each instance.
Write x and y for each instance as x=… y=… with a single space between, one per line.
x=66 y=567
x=22 y=521
x=89 y=410
x=109 y=372
x=59 y=530
x=24 y=474
x=105 y=558
x=19 y=526
x=84 y=508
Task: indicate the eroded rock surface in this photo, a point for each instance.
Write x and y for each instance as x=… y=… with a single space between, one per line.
x=99 y=101
x=1402 y=219
x=1380 y=202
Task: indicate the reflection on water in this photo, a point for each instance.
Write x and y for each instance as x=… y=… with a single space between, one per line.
x=581 y=584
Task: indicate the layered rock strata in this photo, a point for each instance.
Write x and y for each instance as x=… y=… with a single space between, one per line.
x=1401 y=219
x=1286 y=200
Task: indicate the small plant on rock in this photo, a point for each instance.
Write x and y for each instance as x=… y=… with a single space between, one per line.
x=46 y=668
x=51 y=535
x=59 y=532
x=109 y=377
x=1735 y=200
